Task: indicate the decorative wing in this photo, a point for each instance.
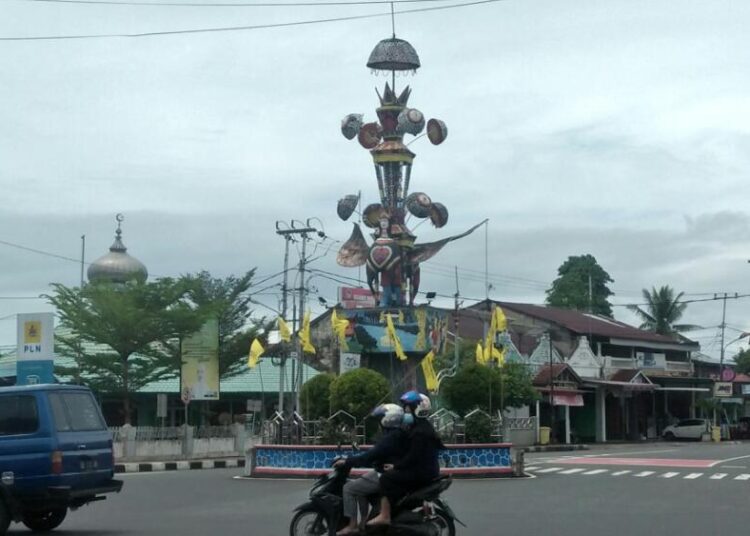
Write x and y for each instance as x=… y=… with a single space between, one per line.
x=422 y=252
x=354 y=251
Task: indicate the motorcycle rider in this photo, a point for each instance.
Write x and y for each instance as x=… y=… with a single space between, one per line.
x=419 y=466
x=390 y=447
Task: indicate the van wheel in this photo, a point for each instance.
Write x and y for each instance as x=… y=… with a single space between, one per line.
x=44 y=521
x=4 y=518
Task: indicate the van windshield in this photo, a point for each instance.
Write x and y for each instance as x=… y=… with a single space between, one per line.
x=18 y=415
x=76 y=412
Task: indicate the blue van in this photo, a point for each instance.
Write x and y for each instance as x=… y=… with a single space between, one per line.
x=55 y=454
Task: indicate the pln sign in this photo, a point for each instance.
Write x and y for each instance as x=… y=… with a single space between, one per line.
x=36 y=349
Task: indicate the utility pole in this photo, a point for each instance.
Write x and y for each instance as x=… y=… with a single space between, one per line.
x=302 y=289
x=551 y=390
x=83 y=256
x=288 y=237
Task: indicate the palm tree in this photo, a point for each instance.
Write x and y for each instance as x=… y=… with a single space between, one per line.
x=662 y=310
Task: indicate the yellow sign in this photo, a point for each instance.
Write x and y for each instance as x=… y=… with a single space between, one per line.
x=200 y=363
x=32 y=332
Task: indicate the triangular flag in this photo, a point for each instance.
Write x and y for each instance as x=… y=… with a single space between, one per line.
x=339 y=326
x=391 y=330
x=428 y=368
x=480 y=354
x=284 y=332
x=501 y=323
x=499 y=356
x=304 y=335
x=256 y=349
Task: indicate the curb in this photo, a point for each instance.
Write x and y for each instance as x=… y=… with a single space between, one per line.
x=184 y=465
x=555 y=448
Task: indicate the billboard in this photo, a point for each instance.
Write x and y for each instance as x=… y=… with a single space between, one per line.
x=199 y=377
x=35 y=348
x=356 y=298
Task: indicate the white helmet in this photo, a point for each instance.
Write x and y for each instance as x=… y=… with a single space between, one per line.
x=420 y=403
x=391 y=415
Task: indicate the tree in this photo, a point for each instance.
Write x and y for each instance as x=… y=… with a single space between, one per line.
x=571 y=288
x=130 y=326
x=663 y=309
x=474 y=385
x=358 y=392
x=742 y=360
x=229 y=299
x=315 y=397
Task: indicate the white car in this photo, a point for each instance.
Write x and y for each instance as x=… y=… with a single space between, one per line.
x=687 y=429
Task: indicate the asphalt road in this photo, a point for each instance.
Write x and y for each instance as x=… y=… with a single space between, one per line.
x=599 y=498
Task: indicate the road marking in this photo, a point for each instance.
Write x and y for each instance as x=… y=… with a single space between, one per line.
x=618 y=473
x=571 y=471
x=693 y=476
x=733 y=467
x=549 y=470
x=718 y=476
x=596 y=472
x=645 y=473
x=743 y=476
x=730 y=460
x=669 y=475
x=532 y=468
x=646 y=462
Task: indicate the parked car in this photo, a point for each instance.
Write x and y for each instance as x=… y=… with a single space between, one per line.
x=687 y=429
x=55 y=454
x=740 y=430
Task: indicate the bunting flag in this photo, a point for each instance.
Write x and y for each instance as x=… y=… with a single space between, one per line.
x=401 y=317
x=304 y=335
x=256 y=349
x=421 y=343
x=339 y=326
x=480 y=354
x=501 y=323
x=498 y=356
x=284 y=332
x=428 y=368
x=395 y=341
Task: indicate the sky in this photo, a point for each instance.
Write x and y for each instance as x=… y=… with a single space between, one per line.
x=619 y=128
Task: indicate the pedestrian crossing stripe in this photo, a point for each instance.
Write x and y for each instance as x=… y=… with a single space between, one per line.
x=693 y=476
x=549 y=470
x=718 y=476
x=572 y=471
x=596 y=472
x=642 y=474
x=743 y=476
x=625 y=472
x=669 y=475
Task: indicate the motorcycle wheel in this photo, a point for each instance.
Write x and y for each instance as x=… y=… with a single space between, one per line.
x=308 y=523
x=444 y=524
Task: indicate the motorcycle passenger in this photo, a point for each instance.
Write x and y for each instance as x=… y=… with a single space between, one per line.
x=390 y=447
x=419 y=466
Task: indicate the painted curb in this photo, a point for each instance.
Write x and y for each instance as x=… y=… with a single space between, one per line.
x=183 y=465
x=555 y=448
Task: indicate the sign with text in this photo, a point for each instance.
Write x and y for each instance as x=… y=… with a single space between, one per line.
x=356 y=298
x=722 y=389
x=199 y=377
x=348 y=362
x=35 y=348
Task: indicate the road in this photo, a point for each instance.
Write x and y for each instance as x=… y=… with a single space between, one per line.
x=622 y=490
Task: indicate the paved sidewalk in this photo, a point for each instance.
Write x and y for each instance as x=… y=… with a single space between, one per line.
x=182 y=465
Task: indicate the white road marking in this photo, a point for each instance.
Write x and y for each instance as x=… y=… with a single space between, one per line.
x=730 y=460
x=669 y=475
x=625 y=472
x=532 y=468
x=549 y=470
x=644 y=473
x=693 y=476
x=596 y=472
x=718 y=476
x=743 y=476
x=571 y=471
x=733 y=467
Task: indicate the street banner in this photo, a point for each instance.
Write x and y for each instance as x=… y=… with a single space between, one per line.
x=199 y=377
x=348 y=362
x=35 y=349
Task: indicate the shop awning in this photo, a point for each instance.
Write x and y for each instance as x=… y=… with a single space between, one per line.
x=566 y=399
x=685 y=389
x=625 y=386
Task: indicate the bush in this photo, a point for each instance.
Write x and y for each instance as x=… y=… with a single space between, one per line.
x=478 y=428
x=315 y=397
x=358 y=392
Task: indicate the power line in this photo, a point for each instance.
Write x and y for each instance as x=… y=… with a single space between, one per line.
x=233 y=5
x=247 y=28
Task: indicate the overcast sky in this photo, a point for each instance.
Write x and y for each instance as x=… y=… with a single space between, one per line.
x=619 y=128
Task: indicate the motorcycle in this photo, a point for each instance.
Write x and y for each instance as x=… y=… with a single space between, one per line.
x=421 y=513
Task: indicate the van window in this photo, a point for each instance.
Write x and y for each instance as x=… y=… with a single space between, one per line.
x=18 y=415
x=75 y=412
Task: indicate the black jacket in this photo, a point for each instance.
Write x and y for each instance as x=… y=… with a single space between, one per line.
x=389 y=448
x=422 y=458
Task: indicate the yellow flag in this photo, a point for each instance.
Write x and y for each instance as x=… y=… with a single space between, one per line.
x=304 y=335
x=499 y=356
x=480 y=354
x=256 y=349
x=421 y=343
x=284 y=332
x=339 y=326
x=501 y=323
x=428 y=368
x=400 y=316
x=391 y=330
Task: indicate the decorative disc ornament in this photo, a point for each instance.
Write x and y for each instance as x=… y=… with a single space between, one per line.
x=350 y=125
x=346 y=206
x=436 y=131
x=438 y=215
x=419 y=204
x=372 y=215
x=369 y=135
x=411 y=121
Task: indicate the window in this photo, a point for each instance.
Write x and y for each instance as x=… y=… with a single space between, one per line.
x=75 y=412
x=18 y=415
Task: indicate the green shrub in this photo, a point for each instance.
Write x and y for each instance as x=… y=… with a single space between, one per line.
x=315 y=397
x=478 y=428
x=358 y=392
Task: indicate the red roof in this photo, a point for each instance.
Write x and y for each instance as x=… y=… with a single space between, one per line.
x=554 y=370
x=583 y=324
